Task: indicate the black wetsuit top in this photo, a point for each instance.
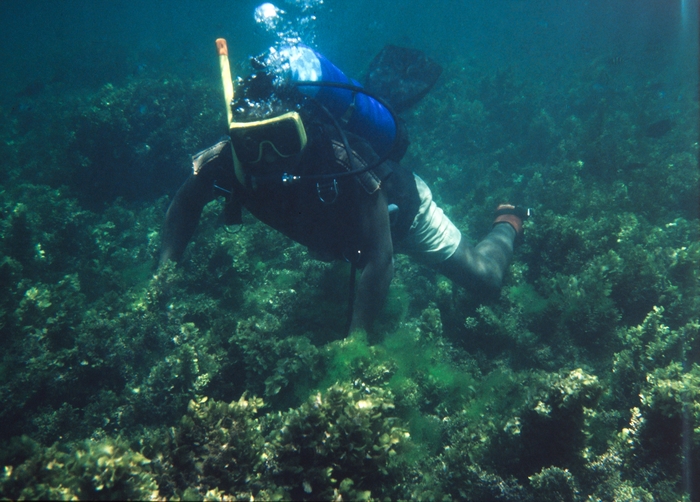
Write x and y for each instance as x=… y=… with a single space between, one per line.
x=321 y=214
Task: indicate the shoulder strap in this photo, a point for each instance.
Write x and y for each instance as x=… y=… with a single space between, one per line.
x=363 y=155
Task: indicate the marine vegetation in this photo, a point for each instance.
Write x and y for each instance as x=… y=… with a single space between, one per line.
x=229 y=376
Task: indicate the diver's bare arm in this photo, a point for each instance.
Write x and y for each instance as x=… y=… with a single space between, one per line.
x=183 y=215
x=377 y=251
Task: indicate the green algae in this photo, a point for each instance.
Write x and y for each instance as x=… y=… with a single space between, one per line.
x=528 y=299
x=346 y=357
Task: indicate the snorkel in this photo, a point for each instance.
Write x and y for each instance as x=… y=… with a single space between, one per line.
x=227 y=83
x=226 y=80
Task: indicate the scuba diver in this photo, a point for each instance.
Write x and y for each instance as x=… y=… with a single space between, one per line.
x=315 y=155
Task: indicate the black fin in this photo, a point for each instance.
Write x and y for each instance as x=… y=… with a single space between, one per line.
x=401 y=76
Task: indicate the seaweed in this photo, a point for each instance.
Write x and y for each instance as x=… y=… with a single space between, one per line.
x=122 y=379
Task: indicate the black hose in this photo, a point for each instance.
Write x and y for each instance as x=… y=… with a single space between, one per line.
x=351 y=294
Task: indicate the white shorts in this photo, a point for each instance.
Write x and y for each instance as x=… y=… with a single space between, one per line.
x=432 y=238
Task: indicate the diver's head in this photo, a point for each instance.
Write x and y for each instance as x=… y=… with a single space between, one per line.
x=267 y=132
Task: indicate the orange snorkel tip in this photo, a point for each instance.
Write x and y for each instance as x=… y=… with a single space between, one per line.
x=221 y=47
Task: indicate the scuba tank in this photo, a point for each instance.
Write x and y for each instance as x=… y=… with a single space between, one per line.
x=359 y=113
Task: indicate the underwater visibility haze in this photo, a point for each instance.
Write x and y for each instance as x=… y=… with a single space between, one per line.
x=230 y=375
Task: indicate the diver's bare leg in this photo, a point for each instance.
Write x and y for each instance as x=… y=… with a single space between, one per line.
x=483 y=265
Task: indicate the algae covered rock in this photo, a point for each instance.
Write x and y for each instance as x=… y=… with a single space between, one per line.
x=340 y=443
x=217 y=446
x=92 y=470
x=550 y=429
x=555 y=484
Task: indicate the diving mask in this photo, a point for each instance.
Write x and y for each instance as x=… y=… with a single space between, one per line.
x=284 y=136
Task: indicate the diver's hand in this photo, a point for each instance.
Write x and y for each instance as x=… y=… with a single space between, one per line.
x=514 y=215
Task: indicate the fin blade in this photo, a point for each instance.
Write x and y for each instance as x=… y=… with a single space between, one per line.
x=401 y=76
